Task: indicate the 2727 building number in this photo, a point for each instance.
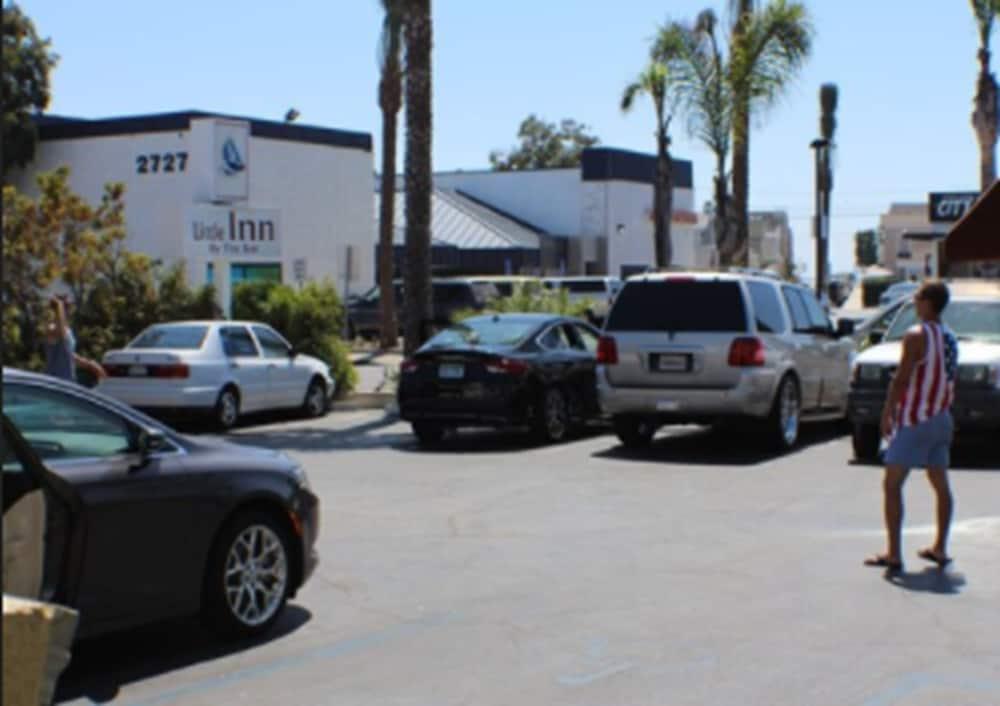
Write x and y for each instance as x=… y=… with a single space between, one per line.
x=165 y=162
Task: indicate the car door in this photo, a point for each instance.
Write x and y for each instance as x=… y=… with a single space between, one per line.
x=583 y=342
x=557 y=359
x=247 y=367
x=287 y=380
x=835 y=355
x=806 y=350
x=144 y=524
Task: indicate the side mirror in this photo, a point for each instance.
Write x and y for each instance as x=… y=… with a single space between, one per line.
x=148 y=442
x=845 y=328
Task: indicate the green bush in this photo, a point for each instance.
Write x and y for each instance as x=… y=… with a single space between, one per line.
x=311 y=318
x=532 y=298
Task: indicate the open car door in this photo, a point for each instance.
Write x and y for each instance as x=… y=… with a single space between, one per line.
x=43 y=525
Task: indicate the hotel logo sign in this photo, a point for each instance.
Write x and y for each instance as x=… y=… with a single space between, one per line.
x=948 y=207
x=215 y=232
x=230 y=161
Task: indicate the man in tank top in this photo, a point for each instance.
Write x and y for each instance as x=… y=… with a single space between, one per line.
x=917 y=422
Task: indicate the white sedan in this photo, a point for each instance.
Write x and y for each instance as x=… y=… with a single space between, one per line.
x=226 y=368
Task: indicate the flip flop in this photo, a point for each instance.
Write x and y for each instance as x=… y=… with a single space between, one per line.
x=884 y=562
x=929 y=555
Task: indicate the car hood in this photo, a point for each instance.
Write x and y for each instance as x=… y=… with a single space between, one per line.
x=969 y=353
x=219 y=454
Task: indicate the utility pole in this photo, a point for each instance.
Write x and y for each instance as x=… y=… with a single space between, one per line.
x=824 y=182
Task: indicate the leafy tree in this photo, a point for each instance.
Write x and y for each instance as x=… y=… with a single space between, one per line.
x=545 y=145
x=532 y=298
x=866 y=248
x=986 y=115
x=27 y=60
x=767 y=47
x=310 y=318
x=417 y=32
x=660 y=82
x=390 y=98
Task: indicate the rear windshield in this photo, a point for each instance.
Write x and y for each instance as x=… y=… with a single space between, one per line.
x=679 y=305
x=581 y=286
x=484 y=332
x=177 y=337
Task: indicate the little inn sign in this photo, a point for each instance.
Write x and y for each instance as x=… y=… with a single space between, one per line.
x=233 y=232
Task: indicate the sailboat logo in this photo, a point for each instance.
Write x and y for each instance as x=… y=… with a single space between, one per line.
x=232 y=162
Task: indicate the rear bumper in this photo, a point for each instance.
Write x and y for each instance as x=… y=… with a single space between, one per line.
x=158 y=394
x=499 y=405
x=973 y=410
x=752 y=396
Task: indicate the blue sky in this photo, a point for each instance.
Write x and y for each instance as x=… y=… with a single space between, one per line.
x=906 y=71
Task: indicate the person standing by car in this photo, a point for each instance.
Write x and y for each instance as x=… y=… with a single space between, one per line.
x=61 y=359
x=917 y=421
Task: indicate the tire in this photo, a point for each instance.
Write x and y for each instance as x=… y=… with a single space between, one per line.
x=249 y=575
x=227 y=408
x=428 y=433
x=552 y=422
x=865 y=438
x=634 y=432
x=315 y=403
x=785 y=421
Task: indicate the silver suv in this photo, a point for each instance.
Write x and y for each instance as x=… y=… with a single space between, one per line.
x=700 y=348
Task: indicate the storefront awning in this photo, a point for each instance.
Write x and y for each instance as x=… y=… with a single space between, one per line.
x=977 y=235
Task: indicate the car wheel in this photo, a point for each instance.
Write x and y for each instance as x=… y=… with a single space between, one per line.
x=634 y=432
x=249 y=575
x=785 y=419
x=428 y=433
x=865 y=438
x=316 y=403
x=227 y=409
x=553 y=423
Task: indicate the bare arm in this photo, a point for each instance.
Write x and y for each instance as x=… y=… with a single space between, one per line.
x=62 y=326
x=95 y=368
x=914 y=349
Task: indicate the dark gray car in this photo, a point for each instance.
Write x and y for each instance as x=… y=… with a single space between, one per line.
x=154 y=524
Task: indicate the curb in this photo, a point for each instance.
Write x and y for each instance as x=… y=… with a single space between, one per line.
x=361 y=401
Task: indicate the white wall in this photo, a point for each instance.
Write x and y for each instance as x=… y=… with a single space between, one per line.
x=323 y=194
x=630 y=204
x=549 y=199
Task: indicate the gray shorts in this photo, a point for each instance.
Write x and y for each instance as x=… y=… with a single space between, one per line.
x=923 y=445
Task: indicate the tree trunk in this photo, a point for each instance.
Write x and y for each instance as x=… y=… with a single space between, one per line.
x=418 y=174
x=389 y=100
x=741 y=152
x=984 y=120
x=662 y=201
x=722 y=231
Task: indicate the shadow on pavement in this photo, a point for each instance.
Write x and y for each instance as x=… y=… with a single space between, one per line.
x=307 y=438
x=495 y=441
x=100 y=667
x=930 y=580
x=717 y=447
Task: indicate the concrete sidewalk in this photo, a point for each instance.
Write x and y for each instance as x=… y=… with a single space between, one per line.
x=376 y=388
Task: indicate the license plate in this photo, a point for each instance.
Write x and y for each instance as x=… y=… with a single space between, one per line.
x=672 y=363
x=668 y=406
x=137 y=371
x=451 y=371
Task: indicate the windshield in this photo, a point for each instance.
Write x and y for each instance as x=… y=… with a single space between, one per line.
x=177 y=337
x=484 y=332
x=967 y=319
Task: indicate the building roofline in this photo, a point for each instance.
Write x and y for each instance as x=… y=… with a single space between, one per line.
x=59 y=127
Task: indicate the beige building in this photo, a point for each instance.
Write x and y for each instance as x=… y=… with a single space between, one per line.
x=908 y=241
x=770 y=241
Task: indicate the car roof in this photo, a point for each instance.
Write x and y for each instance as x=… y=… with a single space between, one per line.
x=211 y=322
x=702 y=276
x=527 y=317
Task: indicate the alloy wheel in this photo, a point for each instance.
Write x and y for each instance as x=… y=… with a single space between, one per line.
x=789 y=413
x=229 y=409
x=556 y=421
x=316 y=399
x=256 y=575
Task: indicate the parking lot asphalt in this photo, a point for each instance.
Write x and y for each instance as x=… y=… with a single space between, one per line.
x=493 y=571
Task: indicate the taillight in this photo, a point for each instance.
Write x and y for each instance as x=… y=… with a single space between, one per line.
x=607 y=351
x=173 y=371
x=746 y=353
x=116 y=371
x=506 y=366
x=409 y=366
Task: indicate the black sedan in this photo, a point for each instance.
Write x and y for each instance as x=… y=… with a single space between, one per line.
x=503 y=370
x=145 y=524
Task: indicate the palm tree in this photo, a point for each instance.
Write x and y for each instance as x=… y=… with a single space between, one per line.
x=985 y=116
x=418 y=175
x=707 y=102
x=390 y=90
x=660 y=83
x=767 y=47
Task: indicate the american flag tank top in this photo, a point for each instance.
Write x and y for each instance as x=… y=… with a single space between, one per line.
x=932 y=384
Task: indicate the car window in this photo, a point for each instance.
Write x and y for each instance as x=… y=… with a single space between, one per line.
x=60 y=426
x=555 y=339
x=800 y=315
x=766 y=307
x=237 y=342
x=271 y=344
x=583 y=338
x=978 y=320
x=583 y=286
x=175 y=337
x=484 y=331
x=679 y=305
x=817 y=317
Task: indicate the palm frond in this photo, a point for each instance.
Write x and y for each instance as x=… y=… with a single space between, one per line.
x=776 y=44
x=629 y=96
x=985 y=12
x=390 y=43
